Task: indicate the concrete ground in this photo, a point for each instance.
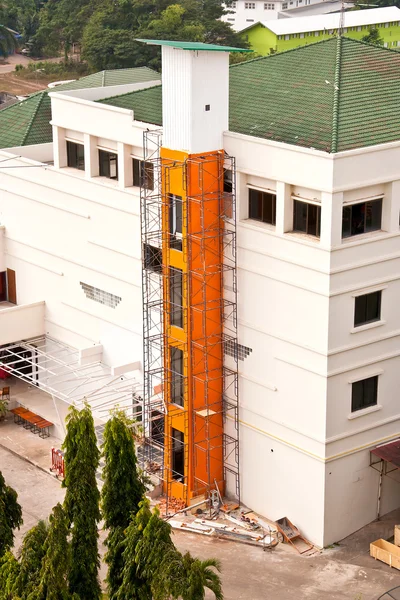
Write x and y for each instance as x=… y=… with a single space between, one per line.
x=249 y=573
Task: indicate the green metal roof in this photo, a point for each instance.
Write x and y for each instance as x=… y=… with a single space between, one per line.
x=28 y=122
x=334 y=95
x=194 y=46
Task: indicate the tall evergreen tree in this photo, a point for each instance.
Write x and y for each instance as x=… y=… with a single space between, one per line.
x=53 y=583
x=10 y=515
x=30 y=563
x=133 y=586
x=9 y=570
x=122 y=491
x=82 y=502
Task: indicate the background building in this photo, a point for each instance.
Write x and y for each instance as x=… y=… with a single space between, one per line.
x=284 y=34
x=238 y=271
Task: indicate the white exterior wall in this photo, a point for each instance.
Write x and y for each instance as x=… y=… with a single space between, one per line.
x=241 y=16
x=296 y=313
x=192 y=81
x=61 y=227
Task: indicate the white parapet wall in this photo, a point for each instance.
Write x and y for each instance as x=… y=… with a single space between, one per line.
x=22 y=322
x=2 y=258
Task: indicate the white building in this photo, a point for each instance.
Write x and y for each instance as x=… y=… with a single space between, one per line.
x=243 y=14
x=318 y=203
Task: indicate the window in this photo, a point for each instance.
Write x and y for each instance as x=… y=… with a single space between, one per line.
x=175 y=221
x=250 y=5
x=287 y=37
x=284 y=5
x=176 y=296
x=143 y=174
x=361 y=217
x=316 y=33
x=358 y=28
x=307 y=218
x=302 y=35
x=262 y=206
x=367 y=308
x=228 y=185
x=178 y=455
x=152 y=258
x=108 y=163
x=176 y=359
x=268 y=6
x=3 y=286
x=364 y=393
x=76 y=156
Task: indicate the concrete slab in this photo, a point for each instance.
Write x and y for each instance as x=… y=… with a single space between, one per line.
x=27 y=445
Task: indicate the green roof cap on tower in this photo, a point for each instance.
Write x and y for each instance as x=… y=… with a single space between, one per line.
x=193 y=46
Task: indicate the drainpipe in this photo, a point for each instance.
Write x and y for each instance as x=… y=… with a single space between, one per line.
x=379 y=491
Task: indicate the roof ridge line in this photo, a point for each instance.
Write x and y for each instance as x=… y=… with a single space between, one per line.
x=336 y=95
x=28 y=128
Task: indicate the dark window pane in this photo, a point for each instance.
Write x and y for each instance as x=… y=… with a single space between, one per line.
x=148 y=175
x=178 y=455
x=312 y=219
x=358 y=219
x=373 y=312
x=346 y=222
x=373 y=215
x=175 y=221
x=76 y=156
x=152 y=258
x=228 y=181
x=108 y=164
x=136 y=172
x=300 y=216
x=262 y=206
x=360 y=310
x=367 y=308
x=255 y=207
x=364 y=393
x=176 y=296
x=176 y=359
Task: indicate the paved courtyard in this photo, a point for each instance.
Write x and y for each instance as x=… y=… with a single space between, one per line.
x=344 y=572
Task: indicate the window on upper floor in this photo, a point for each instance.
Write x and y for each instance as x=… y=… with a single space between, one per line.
x=250 y=5
x=108 y=164
x=178 y=455
x=307 y=218
x=76 y=156
x=152 y=258
x=364 y=393
x=176 y=296
x=361 y=218
x=143 y=174
x=367 y=308
x=176 y=377
x=175 y=221
x=284 y=5
x=262 y=206
x=269 y=6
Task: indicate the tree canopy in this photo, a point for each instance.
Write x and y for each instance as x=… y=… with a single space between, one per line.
x=10 y=515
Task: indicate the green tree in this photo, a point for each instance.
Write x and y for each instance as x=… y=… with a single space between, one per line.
x=133 y=586
x=30 y=562
x=200 y=575
x=10 y=515
x=373 y=37
x=122 y=491
x=8 y=41
x=53 y=581
x=82 y=502
x=9 y=570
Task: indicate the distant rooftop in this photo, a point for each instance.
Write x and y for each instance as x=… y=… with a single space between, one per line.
x=329 y=22
x=334 y=95
x=199 y=46
x=28 y=122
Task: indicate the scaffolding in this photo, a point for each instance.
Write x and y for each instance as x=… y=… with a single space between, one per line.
x=210 y=347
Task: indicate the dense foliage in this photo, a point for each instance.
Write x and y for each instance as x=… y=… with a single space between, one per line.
x=107 y=30
x=10 y=515
x=60 y=560
x=121 y=494
x=82 y=502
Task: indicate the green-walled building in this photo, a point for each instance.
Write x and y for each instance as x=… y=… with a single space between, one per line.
x=276 y=35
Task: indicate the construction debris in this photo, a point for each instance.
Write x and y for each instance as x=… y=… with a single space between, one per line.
x=170 y=507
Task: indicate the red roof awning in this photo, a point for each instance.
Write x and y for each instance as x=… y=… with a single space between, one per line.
x=389 y=452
